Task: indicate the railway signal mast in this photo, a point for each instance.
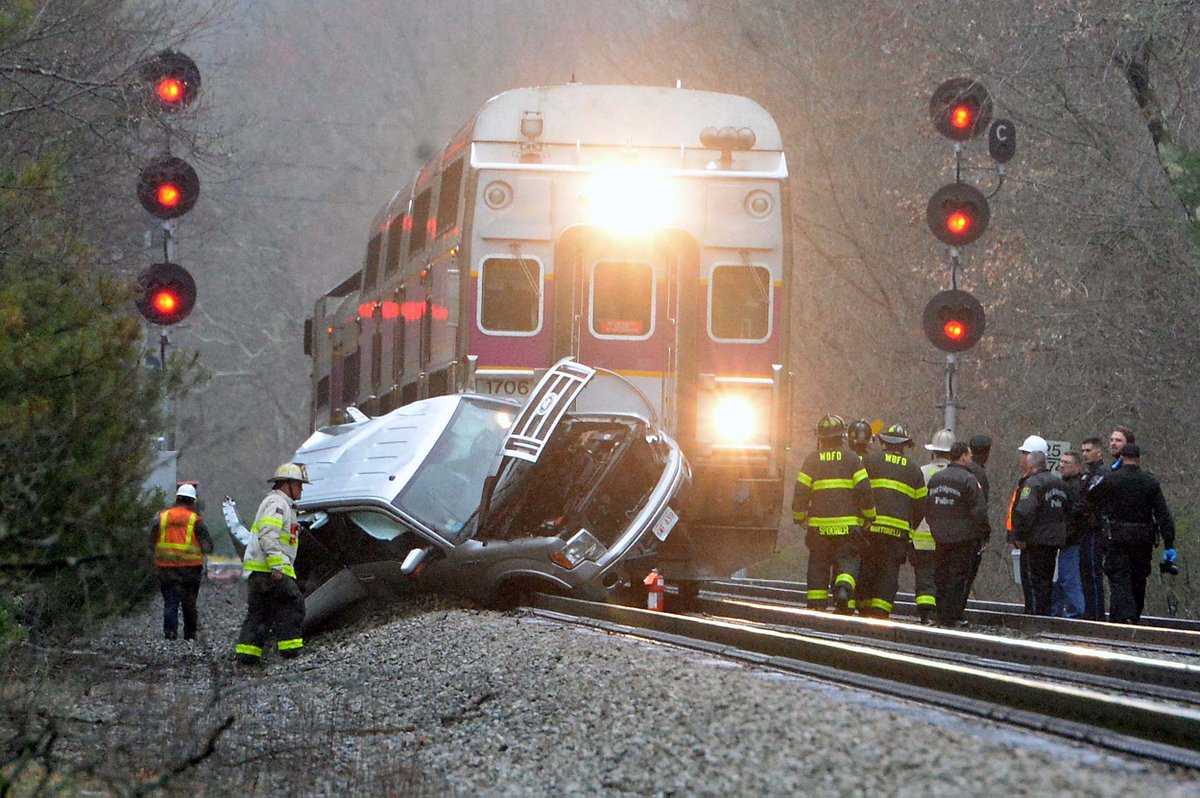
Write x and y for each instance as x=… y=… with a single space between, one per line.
x=957 y=215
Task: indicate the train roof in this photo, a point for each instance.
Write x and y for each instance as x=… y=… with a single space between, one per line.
x=638 y=116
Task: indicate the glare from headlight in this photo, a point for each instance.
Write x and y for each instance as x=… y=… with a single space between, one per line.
x=734 y=419
x=582 y=546
x=631 y=201
x=504 y=420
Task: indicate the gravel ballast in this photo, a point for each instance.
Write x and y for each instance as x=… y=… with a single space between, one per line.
x=432 y=695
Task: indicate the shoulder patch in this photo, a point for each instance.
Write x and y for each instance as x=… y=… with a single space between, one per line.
x=1025 y=492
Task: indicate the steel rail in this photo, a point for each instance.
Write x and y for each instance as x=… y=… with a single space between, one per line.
x=1134 y=725
x=1155 y=621
x=1185 y=640
x=1098 y=668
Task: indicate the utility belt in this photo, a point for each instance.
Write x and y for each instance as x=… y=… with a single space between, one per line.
x=1128 y=531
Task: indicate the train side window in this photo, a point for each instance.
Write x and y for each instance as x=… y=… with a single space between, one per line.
x=420 y=223
x=395 y=235
x=427 y=332
x=739 y=303
x=447 y=215
x=323 y=391
x=400 y=334
x=350 y=377
x=510 y=296
x=622 y=302
x=376 y=358
x=371 y=265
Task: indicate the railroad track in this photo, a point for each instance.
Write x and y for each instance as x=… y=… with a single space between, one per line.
x=1182 y=637
x=1149 y=708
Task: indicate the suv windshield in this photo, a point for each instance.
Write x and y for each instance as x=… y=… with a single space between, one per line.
x=445 y=491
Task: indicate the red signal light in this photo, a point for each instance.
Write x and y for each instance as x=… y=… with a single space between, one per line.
x=165 y=302
x=958 y=222
x=169 y=90
x=962 y=116
x=168 y=294
x=167 y=195
x=954 y=330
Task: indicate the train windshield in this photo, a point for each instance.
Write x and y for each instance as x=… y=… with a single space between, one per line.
x=445 y=490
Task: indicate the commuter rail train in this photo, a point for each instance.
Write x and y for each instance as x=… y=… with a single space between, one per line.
x=642 y=230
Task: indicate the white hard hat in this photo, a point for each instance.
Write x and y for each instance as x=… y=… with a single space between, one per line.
x=288 y=471
x=942 y=440
x=1034 y=443
x=186 y=491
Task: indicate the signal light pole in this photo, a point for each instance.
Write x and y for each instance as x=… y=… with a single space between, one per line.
x=957 y=215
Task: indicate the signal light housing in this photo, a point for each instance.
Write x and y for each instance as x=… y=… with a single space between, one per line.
x=174 y=80
x=167 y=294
x=954 y=321
x=168 y=187
x=957 y=214
x=960 y=109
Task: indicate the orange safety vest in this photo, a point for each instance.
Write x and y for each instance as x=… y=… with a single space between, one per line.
x=177 y=546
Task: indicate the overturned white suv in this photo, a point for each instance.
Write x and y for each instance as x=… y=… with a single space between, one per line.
x=484 y=497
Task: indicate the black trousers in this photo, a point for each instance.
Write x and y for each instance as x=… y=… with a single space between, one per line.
x=953 y=576
x=1127 y=566
x=272 y=609
x=882 y=557
x=180 y=587
x=1037 y=577
x=833 y=560
x=924 y=563
x=1091 y=575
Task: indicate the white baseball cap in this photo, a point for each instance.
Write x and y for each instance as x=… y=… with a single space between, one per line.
x=186 y=491
x=1034 y=443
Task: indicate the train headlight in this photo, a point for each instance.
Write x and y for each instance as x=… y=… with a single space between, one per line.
x=734 y=420
x=630 y=201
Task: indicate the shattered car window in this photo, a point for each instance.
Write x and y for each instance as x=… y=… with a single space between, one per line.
x=446 y=489
x=378 y=526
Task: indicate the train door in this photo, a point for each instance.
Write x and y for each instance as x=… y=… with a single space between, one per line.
x=621 y=307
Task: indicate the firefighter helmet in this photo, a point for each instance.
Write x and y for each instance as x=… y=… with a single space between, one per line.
x=291 y=471
x=831 y=426
x=896 y=435
x=942 y=440
x=859 y=433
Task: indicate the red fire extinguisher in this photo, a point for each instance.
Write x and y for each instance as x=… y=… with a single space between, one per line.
x=655 y=591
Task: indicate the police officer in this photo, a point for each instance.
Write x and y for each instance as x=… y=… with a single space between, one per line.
x=274 y=602
x=899 y=491
x=833 y=500
x=1134 y=516
x=958 y=519
x=922 y=546
x=1091 y=542
x=859 y=435
x=179 y=540
x=1039 y=523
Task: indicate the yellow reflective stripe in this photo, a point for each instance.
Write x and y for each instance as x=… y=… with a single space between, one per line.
x=799 y=517
x=833 y=520
x=880 y=529
x=893 y=521
x=896 y=485
x=804 y=479
x=816 y=594
x=860 y=475
x=256 y=567
x=253 y=651
x=275 y=559
x=852 y=604
x=289 y=571
x=921 y=492
x=270 y=520
x=291 y=645
x=845 y=579
x=923 y=539
x=869 y=513
x=832 y=484
x=926 y=601
x=880 y=604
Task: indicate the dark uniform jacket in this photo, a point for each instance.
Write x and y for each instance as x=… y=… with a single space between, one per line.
x=955 y=507
x=899 y=490
x=833 y=492
x=1132 y=507
x=1077 y=519
x=981 y=474
x=1039 y=516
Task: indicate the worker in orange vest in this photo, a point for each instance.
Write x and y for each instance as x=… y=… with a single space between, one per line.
x=179 y=540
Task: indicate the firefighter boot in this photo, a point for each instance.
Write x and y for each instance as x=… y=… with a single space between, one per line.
x=841 y=599
x=925 y=613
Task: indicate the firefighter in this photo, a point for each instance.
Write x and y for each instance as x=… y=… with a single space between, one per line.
x=179 y=540
x=859 y=435
x=274 y=602
x=922 y=549
x=1038 y=525
x=1134 y=516
x=833 y=500
x=898 y=488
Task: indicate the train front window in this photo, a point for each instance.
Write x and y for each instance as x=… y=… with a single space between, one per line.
x=622 y=300
x=510 y=296
x=740 y=303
